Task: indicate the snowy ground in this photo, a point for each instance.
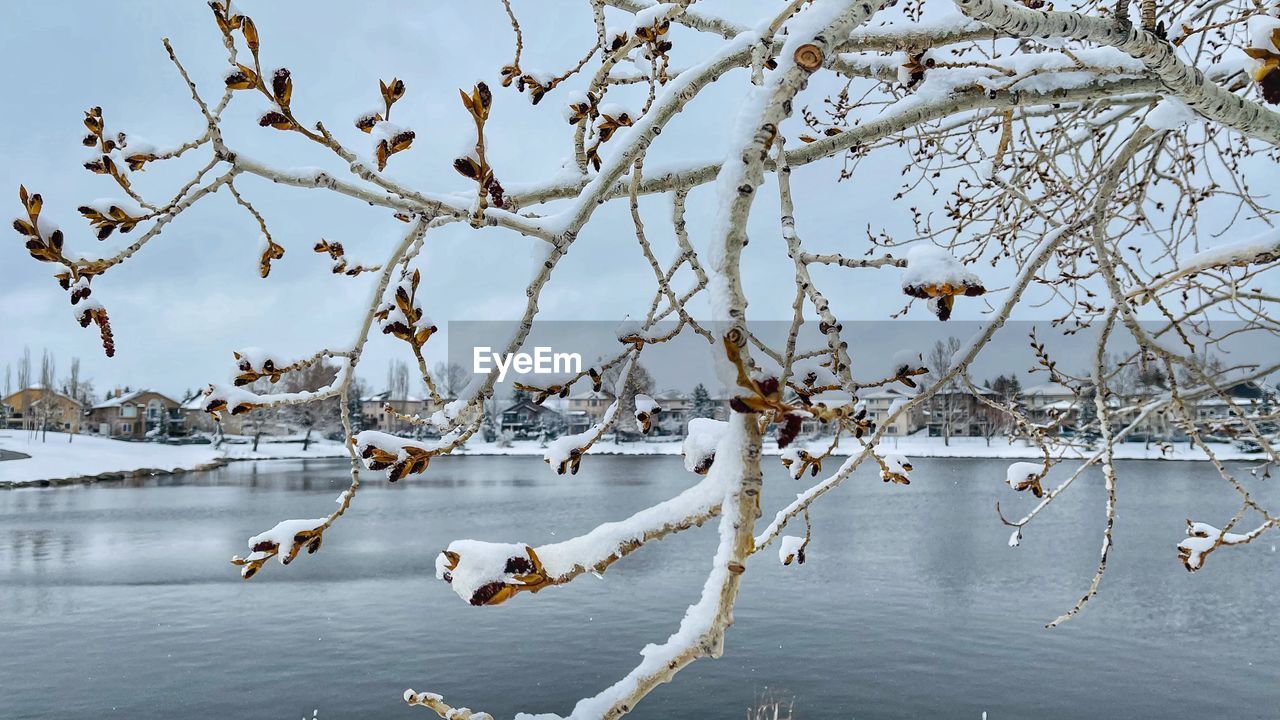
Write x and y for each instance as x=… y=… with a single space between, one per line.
x=87 y=456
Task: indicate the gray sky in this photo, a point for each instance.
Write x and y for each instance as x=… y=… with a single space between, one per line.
x=193 y=295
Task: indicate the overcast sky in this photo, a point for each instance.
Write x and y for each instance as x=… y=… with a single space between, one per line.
x=193 y=295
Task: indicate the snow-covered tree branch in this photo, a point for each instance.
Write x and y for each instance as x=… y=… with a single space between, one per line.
x=1073 y=154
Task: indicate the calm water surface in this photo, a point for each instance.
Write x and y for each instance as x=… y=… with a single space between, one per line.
x=118 y=601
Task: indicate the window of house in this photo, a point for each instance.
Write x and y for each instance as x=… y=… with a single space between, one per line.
x=128 y=411
x=126 y=428
x=154 y=408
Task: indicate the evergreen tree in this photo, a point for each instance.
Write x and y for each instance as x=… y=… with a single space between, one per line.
x=702 y=405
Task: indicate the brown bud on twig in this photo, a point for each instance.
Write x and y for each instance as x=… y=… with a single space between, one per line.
x=367 y=121
x=271 y=252
x=276 y=119
x=250 y=32
x=282 y=87
x=241 y=78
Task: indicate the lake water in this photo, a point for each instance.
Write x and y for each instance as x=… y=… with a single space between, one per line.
x=117 y=600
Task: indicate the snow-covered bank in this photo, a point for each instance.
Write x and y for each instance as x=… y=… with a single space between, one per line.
x=56 y=459
x=87 y=457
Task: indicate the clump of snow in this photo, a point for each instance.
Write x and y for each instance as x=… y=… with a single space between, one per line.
x=1025 y=476
x=1262 y=33
x=281 y=537
x=617 y=111
x=814 y=372
x=106 y=205
x=907 y=360
x=791 y=548
x=929 y=266
x=1171 y=114
x=1260 y=249
x=646 y=408
x=896 y=469
x=792 y=461
x=1021 y=472
x=654 y=14
x=1203 y=538
x=799 y=460
x=481 y=568
x=540 y=76
x=699 y=447
x=385 y=130
x=629 y=330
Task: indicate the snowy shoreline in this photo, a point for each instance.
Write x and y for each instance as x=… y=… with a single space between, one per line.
x=93 y=459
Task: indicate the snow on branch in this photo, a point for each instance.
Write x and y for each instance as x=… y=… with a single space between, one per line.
x=1203 y=538
x=484 y=573
x=1190 y=84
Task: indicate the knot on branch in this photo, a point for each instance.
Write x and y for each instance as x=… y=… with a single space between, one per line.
x=809 y=57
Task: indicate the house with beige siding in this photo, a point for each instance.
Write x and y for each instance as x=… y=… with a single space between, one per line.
x=39 y=408
x=132 y=414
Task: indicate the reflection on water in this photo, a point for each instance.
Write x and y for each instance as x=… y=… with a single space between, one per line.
x=118 y=601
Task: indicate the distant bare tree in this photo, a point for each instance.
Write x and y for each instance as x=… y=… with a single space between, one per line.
x=73 y=390
x=323 y=416
x=949 y=407
x=8 y=390
x=451 y=379
x=47 y=394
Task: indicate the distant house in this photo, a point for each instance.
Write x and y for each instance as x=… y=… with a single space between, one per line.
x=883 y=402
x=576 y=421
x=1248 y=397
x=39 y=408
x=198 y=420
x=376 y=417
x=134 y=414
x=526 y=419
x=957 y=412
x=1049 y=402
x=592 y=404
